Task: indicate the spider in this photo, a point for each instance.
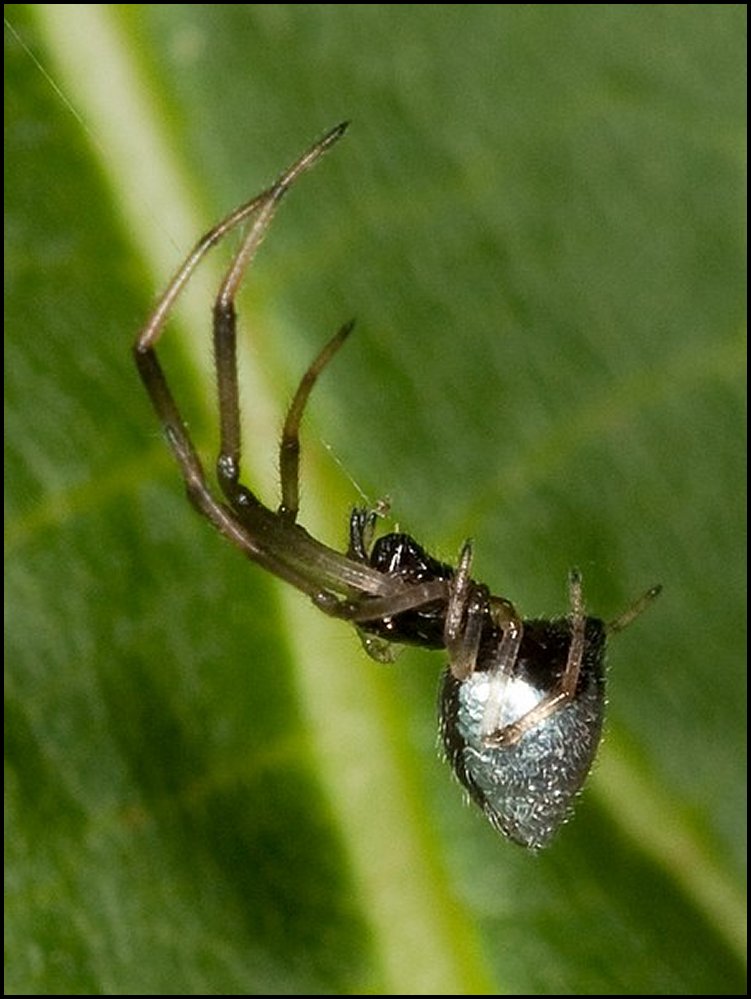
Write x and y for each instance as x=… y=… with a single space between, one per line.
x=522 y=701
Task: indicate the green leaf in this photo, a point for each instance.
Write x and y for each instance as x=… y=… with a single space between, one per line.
x=535 y=220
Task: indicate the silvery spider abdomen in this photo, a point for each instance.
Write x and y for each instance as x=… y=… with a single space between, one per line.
x=526 y=789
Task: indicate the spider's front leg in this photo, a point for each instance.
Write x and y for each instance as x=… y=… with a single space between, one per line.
x=251 y=527
x=225 y=353
x=340 y=585
x=367 y=608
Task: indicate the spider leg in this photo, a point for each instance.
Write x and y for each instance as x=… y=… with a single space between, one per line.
x=372 y=608
x=289 y=448
x=637 y=607
x=340 y=586
x=507 y=618
x=286 y=551
x=325 y=575
x=465 y=614
x=149 y=368
x=152 y=331
x=308 y=565
x=509 y=735
x=225 y=328
x=196 y=486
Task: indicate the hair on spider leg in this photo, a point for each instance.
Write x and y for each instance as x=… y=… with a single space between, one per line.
x=522 y=700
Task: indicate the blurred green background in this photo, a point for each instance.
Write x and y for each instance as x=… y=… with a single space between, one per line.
x=536 y=219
